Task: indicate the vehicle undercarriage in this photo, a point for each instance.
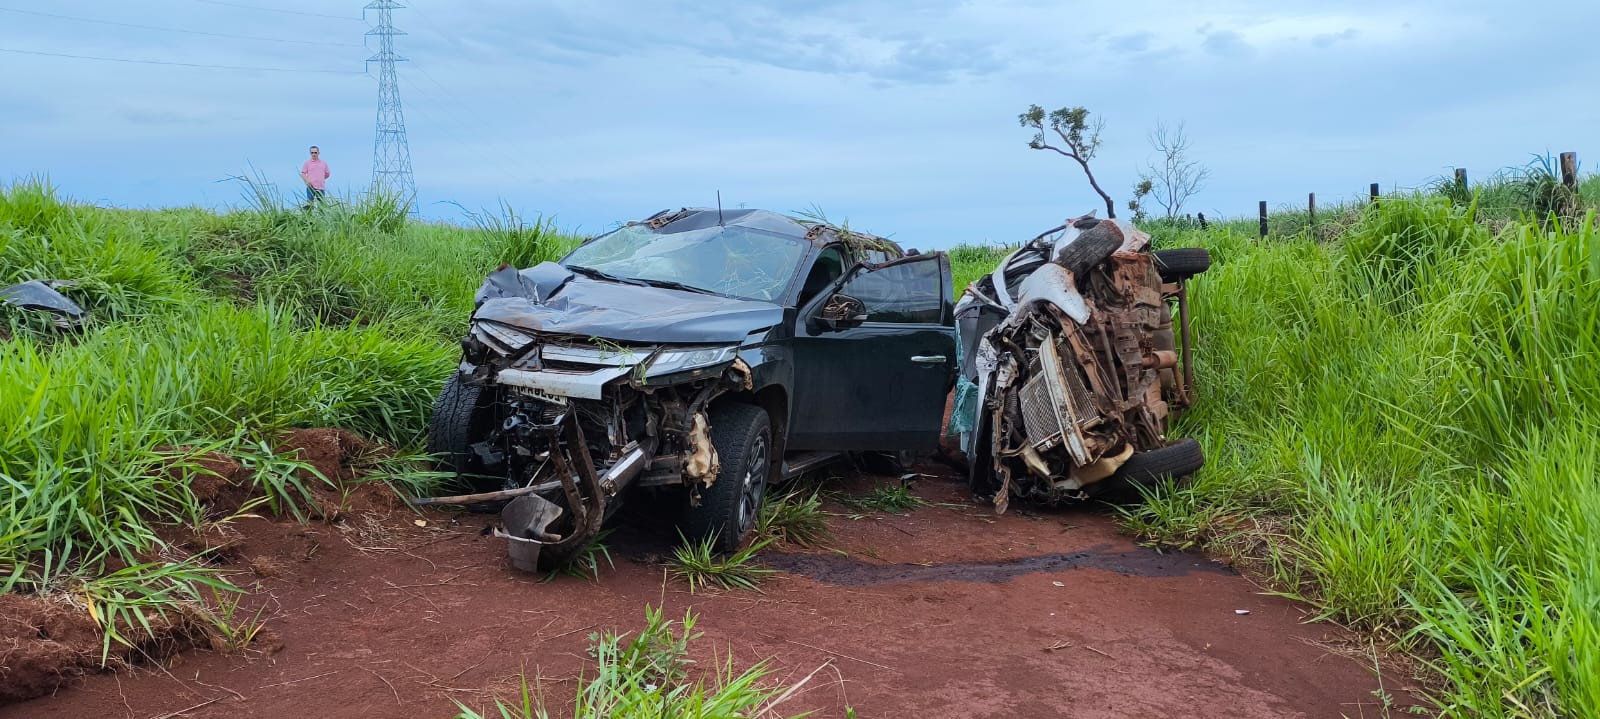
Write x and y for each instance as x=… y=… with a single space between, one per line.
x=1079 y=366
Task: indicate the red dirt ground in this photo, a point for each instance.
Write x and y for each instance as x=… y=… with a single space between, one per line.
x=948 y=611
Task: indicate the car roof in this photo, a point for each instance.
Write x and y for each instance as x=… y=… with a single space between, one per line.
x=815 y=232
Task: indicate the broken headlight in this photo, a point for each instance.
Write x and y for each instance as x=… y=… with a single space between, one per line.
x=503 y=339
x=683 y=359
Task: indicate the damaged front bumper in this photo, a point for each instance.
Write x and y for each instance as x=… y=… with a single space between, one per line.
x=575 y=424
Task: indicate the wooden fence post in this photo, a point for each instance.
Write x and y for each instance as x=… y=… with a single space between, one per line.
x=1461 y=176
x=1311 y=208
x=1569 y=170
x=1263 y=219
x=1374 y=193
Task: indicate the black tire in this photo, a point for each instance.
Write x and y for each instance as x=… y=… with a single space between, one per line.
x=1182 y=263
x=462 y=414
x=1089 y=248
x=1147 y=469
x=727 y=510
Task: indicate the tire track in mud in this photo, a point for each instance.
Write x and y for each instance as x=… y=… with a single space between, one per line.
x=851 y=572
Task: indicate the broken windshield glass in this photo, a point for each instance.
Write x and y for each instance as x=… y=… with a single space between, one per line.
x=735 y=261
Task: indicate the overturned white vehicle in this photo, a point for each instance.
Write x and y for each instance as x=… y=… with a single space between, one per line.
x=1072 y=368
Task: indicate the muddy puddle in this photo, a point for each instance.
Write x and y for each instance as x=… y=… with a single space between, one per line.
x=852 y=572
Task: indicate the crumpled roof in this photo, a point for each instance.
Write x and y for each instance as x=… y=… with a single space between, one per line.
x=699 y=218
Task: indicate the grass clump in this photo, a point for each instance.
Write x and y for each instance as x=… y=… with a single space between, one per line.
x=794 y=518
x=893 y=498
x=648 y=675
x=147 y=600
x=522 y=243
x=585 y=563
x=699 y=564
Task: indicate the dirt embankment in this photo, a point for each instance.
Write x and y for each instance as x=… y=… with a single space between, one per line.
x=51 y=639
x=947 y=611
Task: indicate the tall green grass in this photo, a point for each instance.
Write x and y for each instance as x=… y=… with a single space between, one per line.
x=1400 y=425
x=208 y=331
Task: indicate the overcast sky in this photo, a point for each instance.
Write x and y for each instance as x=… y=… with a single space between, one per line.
x=898 y=116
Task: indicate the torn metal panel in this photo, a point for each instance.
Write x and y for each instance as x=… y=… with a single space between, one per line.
x=41 y=295
x=702 y=463
x=741 y=369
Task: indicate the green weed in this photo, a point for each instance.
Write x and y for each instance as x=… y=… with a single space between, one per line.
x=699 y=564
x=893 y=498
x=794 y=518
x=145 y=601
x=585 y=563
x=648 y=675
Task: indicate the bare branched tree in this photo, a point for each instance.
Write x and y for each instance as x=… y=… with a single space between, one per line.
x=1177 y=178
x=1079 y=137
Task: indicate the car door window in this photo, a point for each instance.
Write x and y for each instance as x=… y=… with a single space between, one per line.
x=828 y=267
x=908 y=292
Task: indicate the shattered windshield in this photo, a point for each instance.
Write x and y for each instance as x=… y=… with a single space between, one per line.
x=735 y=261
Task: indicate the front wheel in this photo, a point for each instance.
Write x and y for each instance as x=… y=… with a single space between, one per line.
x=463 y=414
x=727 y=510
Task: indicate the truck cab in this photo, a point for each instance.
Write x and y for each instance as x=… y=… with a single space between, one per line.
x=690 y=360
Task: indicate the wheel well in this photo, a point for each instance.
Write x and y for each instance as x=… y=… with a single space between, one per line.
x=775 y=401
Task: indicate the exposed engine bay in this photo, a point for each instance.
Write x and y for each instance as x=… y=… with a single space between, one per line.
x=638 y=426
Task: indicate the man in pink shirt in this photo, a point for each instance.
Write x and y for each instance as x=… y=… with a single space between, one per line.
x=315 y=174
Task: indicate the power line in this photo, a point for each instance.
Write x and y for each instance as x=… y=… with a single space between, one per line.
x=177 y=64
x=461 y=134
x=173 y=29
x=462 y=108
x=430 y=25
x=273 y=9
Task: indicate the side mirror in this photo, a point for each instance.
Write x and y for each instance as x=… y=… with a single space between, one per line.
x=841 y=311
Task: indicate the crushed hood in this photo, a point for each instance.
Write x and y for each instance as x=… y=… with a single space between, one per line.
x=578 y=305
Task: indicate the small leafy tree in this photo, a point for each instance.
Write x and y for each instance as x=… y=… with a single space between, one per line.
x=1141 y=190
x=1079 y=139
x=1176 y=178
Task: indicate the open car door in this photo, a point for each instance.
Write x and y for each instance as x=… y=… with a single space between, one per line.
x=875 y=359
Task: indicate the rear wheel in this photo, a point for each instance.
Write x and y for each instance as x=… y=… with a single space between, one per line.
x=727 y=510
x=1148 y=469
x=1182 y=263
x=463 y=414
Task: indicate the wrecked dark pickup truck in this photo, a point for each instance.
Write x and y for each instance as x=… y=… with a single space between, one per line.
x=1072 y=368
x=688 y=361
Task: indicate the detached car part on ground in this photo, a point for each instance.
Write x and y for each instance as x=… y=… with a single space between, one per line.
x=1073 y=369
x=41 y=296
x=686 y=362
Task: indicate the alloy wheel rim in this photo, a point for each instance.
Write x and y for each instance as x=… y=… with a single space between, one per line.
x=753 y=484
